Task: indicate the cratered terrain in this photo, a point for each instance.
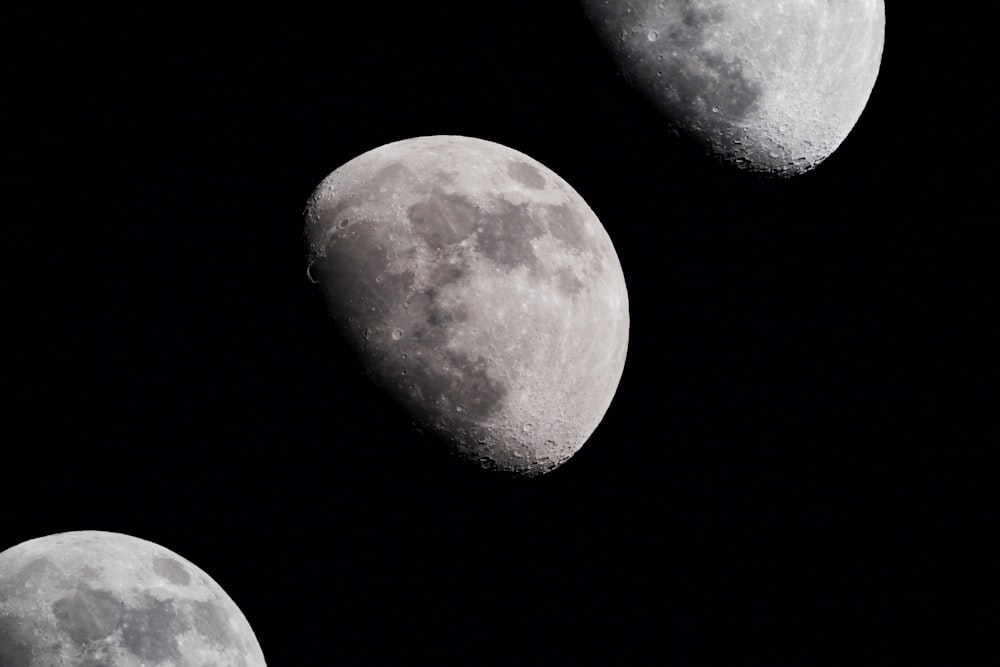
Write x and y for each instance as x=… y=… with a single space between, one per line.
x=771 y=86
x=98 y=599
x=479 y=289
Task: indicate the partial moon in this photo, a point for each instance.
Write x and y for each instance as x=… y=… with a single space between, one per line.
x=97 y=599
x=479 y=289
x=772 y=87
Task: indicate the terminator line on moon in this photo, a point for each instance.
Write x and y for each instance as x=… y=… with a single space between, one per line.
x=98 y=599
x=479 y=289
x=771 y=86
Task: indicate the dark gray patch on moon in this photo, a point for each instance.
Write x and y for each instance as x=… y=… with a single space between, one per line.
x=36 y=572
x=15 y=645
x=696 y=19
x=439 y=317
x=442 y=274
x=386 y=179
x=700 y=80
x=480 y=394
x=526 y=175
x=505 y=235
x=211 y=622
x=428 y=316
x=447 y=177
x=425 y=313
x=434 y=377
x=150 y=631
x=567 y=282
x=172 y=571
x=564 y=225
x=451 y=382
x=88 y=614
x=443 y=219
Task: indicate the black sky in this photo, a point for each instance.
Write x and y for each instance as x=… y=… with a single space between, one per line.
x=794 y=470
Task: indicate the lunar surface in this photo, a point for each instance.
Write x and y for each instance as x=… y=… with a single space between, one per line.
x=480 y=290
x=771 y=86
x=96 y=599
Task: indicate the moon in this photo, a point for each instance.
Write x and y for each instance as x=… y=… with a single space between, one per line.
x=770 y=87
x=479 y=289
x=98 y=599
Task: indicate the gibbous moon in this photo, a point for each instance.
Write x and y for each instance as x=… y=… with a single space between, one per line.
x=771 y=86
x=479 y=289
x=96 y=599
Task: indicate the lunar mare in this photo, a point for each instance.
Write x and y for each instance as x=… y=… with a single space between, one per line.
x=772 y=87
x=479 y=289
x=98 y=599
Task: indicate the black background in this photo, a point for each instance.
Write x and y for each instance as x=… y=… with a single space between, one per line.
x=794 y=470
